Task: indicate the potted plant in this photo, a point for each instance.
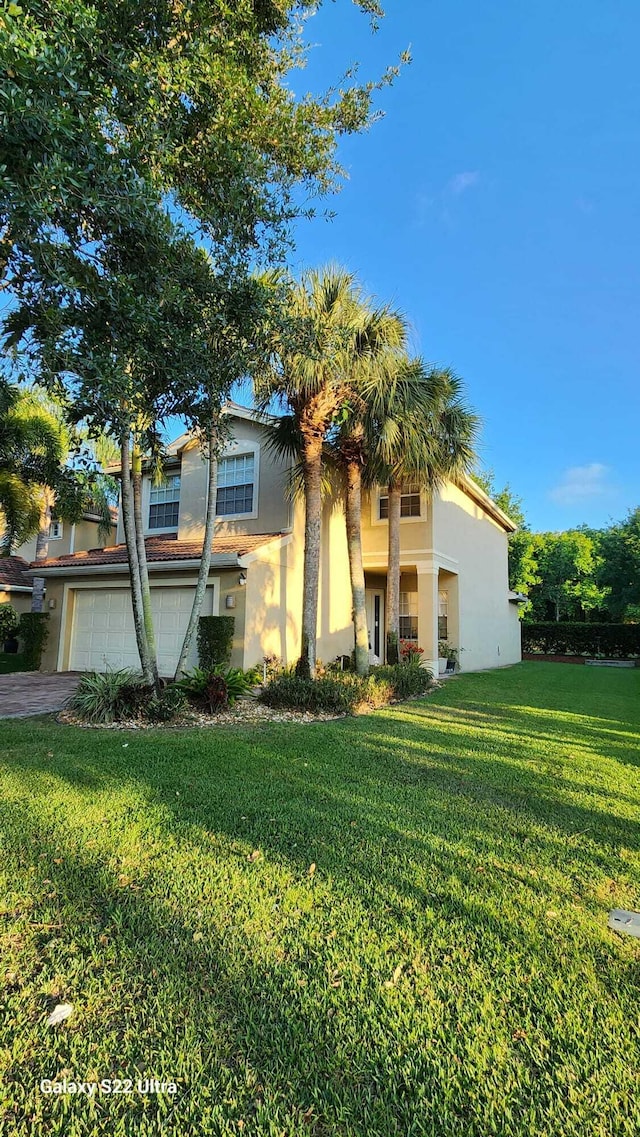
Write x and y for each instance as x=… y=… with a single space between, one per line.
x=8 y=628
x=447 y=657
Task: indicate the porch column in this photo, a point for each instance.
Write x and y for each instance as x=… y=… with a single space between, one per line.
x=428 y=614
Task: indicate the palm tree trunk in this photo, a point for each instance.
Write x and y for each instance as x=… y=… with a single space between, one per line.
x=353 y=514
x=393 y=573
x=312 y=471
x=143 y=569
x=126 y=498
x=207 y=548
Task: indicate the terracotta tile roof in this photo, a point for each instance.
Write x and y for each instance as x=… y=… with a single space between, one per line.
x=164 y=548
x=11 y=569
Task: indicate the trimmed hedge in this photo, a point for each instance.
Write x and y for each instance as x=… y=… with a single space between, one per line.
x=33 y=630
x=345 y=692
x=613 y=641
x=215 y=640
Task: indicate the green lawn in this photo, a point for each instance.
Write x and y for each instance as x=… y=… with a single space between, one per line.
x=445 y=970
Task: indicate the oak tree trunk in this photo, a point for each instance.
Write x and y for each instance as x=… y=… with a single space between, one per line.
x=143 y=569
x=42 y=542
x=126 y=498
x=207 y=549
x=393 y=573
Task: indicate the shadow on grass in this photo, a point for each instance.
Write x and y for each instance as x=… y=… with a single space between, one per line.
x=245 y=1041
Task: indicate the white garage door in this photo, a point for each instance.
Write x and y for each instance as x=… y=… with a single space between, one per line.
x=103 y=634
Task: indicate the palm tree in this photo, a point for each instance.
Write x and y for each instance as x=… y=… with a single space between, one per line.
x=377 y=394
x=328 y=332
x=31 y=453
x=424 y=434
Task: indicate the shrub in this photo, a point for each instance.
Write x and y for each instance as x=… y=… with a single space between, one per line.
x=344 y=692
x=8 y=622
x=294 y=692
x=169 y=704
x=272 y=666
x=33 y=630
x=406 y=681
x=611 y=640
x=215 y=639
x=217 y=688
x=109 y=696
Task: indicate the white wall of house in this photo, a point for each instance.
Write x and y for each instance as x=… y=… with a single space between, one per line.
x=488 y=624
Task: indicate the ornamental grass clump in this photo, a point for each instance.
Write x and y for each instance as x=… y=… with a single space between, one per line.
x=109 y=696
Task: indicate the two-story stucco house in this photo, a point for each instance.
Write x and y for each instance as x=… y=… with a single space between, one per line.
x=453 y=552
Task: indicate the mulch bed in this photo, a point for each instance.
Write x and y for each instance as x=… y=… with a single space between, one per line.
x=245 y=711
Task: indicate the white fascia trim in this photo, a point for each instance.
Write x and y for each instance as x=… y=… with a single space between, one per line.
x=235 y=410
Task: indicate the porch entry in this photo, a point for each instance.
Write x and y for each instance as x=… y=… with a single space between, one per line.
x=374 y=598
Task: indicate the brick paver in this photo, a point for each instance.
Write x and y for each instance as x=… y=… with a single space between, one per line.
x=31 y=693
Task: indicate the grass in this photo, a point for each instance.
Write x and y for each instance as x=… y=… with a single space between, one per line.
x=445 y=969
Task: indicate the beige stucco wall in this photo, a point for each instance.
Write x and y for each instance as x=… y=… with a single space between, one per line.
x=271 y=507
x=272 y=510
x=415 y=532
x=489 y=629
x=75 y=538
x=274 y=594
x=21 y=601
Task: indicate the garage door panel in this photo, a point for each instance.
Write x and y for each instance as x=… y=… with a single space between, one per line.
x=103 y=633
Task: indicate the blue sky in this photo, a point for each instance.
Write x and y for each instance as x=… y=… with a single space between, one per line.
x=498 y=204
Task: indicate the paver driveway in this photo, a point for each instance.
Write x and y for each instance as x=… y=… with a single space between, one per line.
x=31 y=693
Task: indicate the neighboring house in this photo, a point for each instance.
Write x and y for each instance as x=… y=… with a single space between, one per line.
x=15 y=587
x=453 y=550
x=64 y=539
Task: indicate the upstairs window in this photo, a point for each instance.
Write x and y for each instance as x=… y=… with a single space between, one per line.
x=408 y=616
x=236 y=478
x=409 y=502
x=55 y=530
x=164 y=504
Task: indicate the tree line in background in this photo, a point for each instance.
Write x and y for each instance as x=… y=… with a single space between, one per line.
x=579 y=575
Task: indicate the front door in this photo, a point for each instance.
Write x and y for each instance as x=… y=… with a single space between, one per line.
x=375 y=624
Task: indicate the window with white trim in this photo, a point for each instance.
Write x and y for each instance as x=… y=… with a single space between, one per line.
x=443 y=615
x=409 y=502
x=55 y=530
x=236 y=478
x=408 y=622
x=164 y=503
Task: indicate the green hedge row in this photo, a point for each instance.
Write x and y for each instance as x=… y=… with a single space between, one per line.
x=613 y=641
x=344 y=692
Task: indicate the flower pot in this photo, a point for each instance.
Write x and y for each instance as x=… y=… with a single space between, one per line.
x=442 y=665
